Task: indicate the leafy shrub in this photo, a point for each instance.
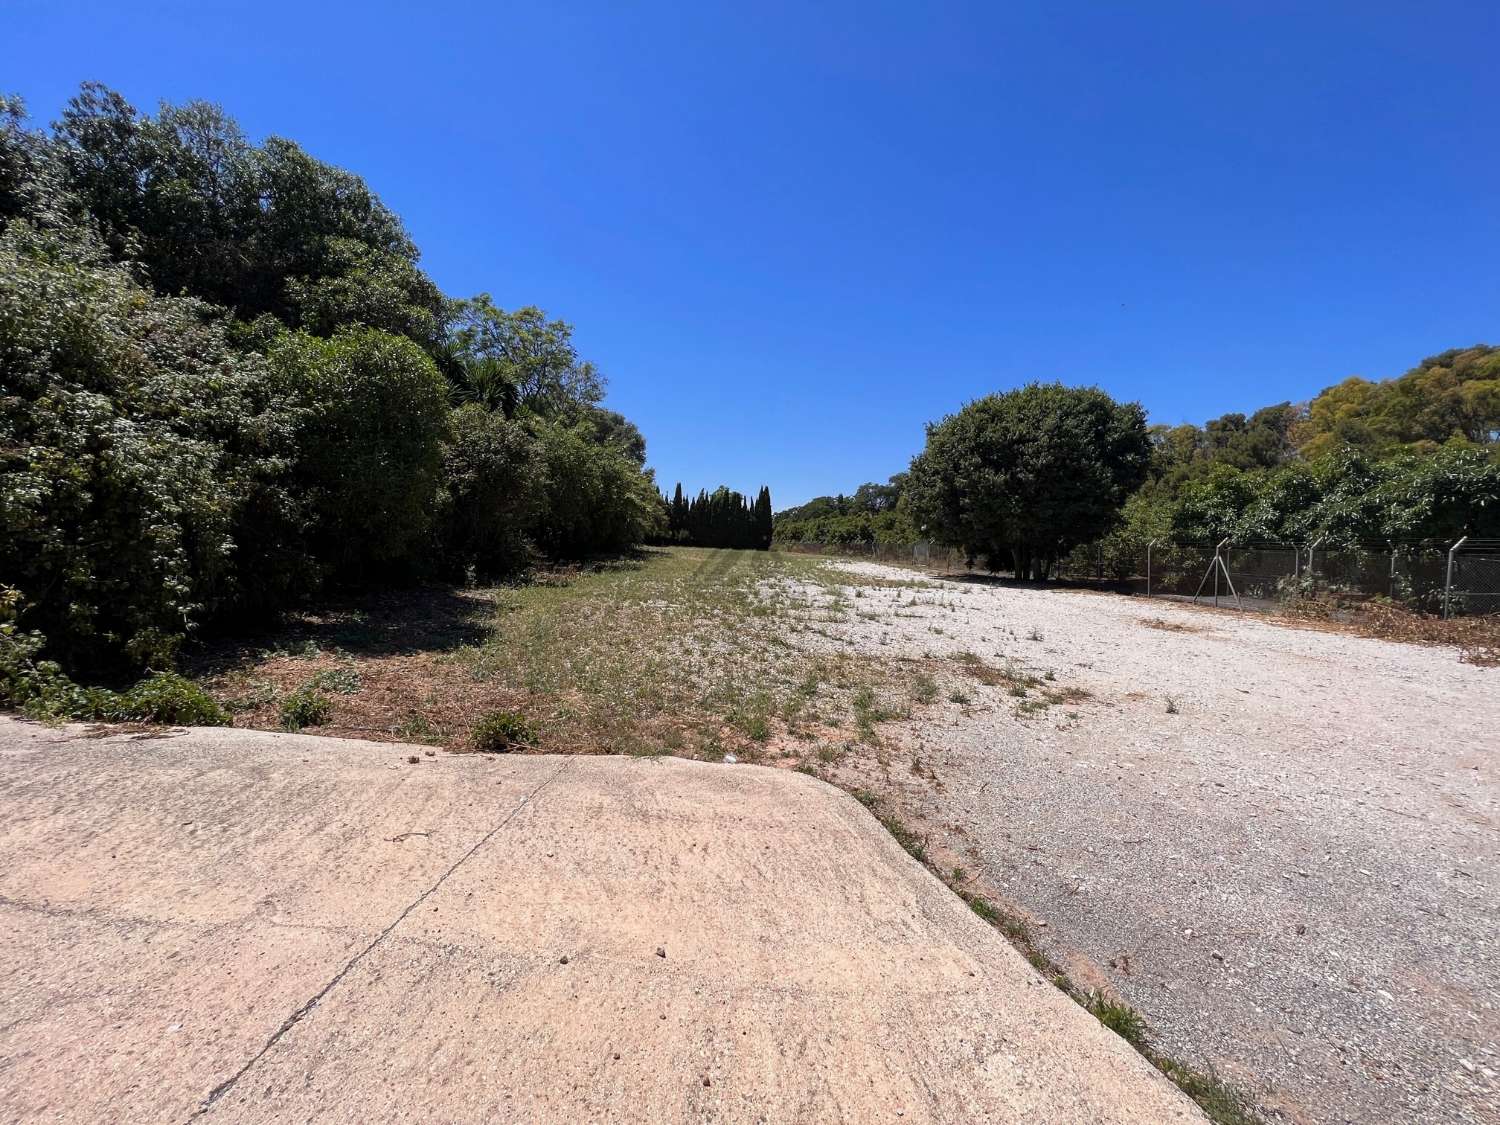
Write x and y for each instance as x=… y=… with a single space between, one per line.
x=133 y=439
x=371 y=413
x=595 y=498
x=500 y=731
x=168 y=698
x=220 y=385
x=305 y=707
x=39 y=689
x=491 y=492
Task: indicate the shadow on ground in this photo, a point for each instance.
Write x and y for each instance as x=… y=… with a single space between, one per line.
x=421 y=619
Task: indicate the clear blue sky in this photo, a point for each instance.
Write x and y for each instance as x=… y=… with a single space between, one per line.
x=793 y=233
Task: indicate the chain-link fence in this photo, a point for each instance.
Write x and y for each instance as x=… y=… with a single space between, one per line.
x=1434 y=577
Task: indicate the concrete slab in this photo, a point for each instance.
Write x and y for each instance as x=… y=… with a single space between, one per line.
x=243 y=926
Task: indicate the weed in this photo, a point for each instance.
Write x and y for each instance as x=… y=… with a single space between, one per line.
x=924 y=688
x=867 y=712
x=1171 y=706
x=1016 y=679
x=1223 y=1104
x=305 y=707
x=916 y=846
x=1119 y=1017
x=1034 y=635
x=416 y=727
x=500 y=731
x=257 y=694
x=343 y=680
x=984 y=908
x=959 y=697
x=756 y=727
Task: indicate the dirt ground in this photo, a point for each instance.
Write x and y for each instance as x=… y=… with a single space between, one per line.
x=1279 y=844
x=243 y=926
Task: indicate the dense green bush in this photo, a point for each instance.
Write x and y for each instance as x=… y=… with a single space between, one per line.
x=371 y=415
x=166 y=697
x=875 y=513
x=491 y=493
x=40 y=689
x=225 y=380
x=1347 y=496
x=595 y=497
x=133 y=439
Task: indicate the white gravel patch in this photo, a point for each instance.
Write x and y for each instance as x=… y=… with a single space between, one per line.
x=1294 y=877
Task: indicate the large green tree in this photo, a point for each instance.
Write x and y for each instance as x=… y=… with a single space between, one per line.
x=1021 y=477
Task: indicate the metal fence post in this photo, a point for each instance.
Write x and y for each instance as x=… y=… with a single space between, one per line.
x=1218 y=562
x=1448 y=581
x=1150 y=543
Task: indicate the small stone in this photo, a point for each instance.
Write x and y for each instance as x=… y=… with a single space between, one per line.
x=706 y=1082
x=617 y=1056
x=1216 y=955
x=1300 y=929
x=563 y=960
x=660 y=952
x=414 y=760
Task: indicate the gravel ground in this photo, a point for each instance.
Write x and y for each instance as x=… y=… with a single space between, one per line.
x=1293 y=874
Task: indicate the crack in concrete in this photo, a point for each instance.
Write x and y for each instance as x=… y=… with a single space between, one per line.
x=296 y=1017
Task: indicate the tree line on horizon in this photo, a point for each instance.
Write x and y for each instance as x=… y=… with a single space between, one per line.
x=226 y=383
x=1412 y=458
x=721 y=518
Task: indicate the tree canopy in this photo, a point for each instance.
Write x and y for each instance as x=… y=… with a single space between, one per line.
x=875 y=513
x=225 y=381
x=1411 y=458
x=1023 y=476
x=721 y=518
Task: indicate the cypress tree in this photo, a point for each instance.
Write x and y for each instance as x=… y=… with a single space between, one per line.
x=722 y=518
x=764 y=520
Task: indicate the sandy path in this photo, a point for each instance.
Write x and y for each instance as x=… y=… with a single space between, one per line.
x=1295 y=876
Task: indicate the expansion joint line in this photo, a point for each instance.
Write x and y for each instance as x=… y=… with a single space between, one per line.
x=296 y=1017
